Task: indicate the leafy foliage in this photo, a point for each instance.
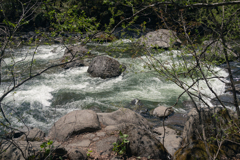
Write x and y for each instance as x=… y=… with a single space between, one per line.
x=121 y=147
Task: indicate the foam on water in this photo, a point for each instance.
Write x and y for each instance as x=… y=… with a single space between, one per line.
x=41 y=94
x=52 y=95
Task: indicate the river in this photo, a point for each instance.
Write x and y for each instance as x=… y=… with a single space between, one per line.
x=44 y=99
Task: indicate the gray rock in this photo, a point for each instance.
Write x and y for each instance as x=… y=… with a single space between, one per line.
x=159 y=112
x=105 y=67
x=112 y=128
x=143 y=143
x=105 y=146
x=75 y=122
x=83 y=143
x=101 y=134
x=176 y=121
x=172 y=141
x=77 y=154
x=95 y=139
x=161 y=38
x=123 y=115
x=89 y=136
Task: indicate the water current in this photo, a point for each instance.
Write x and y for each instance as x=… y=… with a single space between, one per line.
x=44 y=99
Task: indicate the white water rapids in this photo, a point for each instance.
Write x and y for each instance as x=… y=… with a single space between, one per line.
x=42 y=100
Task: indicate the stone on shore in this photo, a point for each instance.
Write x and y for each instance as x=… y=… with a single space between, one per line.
x=123 y=115
x=75 y=122
x=159 y=112
x=172 y=141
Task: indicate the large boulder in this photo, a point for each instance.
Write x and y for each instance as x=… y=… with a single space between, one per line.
x=142 y=143
x=78 y=54
x=161 y=38
x=105 y=67
x=75 y=122
x=123 y=115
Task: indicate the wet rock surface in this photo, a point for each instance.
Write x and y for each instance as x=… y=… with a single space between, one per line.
x=105 y=67
x=81 y=131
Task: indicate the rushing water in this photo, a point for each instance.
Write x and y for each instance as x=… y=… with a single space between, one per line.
x=44 y=99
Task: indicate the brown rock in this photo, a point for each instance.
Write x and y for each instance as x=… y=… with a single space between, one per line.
x=75 y=122
x=123 y=115
x=159 y=111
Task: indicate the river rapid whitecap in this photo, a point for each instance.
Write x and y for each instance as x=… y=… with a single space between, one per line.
x=44 y=99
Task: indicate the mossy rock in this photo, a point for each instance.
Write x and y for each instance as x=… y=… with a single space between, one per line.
x=196 y=151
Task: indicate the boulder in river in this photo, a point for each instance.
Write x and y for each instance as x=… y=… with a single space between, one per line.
x=161 y=38
x=105 y=67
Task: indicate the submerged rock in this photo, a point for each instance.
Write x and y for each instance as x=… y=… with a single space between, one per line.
x=78 y=54
x=161 y=38
x=105 y=67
